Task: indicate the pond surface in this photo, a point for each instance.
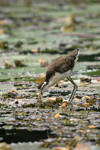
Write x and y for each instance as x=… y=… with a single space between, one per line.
x=29 y=40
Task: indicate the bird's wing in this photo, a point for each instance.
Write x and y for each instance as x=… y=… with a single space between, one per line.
x=65 y=65
x=59 y=65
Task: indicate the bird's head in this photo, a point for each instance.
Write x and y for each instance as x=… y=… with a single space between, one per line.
x=42 y=87
x=76 y=51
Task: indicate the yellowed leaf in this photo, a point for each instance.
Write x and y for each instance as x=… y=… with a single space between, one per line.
x=86 y=104
x=3 y=22
x=69 y=20
x=91 y=47
x=92 y=127
x=60 y=148
x=67 y=29
x=34 y=50
x=57 y=115
x=85 y=97
x=87 y=131
x=63 y=148
x=1 y=31
x=41 y=61
x=52 y=99
x=63 y=105
x=61 y=81
x=81 y=146
x=78 y=138
x=38 y=119
x=55 y=127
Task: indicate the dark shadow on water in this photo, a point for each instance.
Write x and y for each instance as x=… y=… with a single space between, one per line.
x=23 y=135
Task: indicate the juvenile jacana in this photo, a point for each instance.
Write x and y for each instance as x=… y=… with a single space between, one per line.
x=59 y=69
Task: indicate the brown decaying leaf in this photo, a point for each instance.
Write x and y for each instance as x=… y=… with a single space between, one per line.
x=40 y=79
x=18 y=63
x=5 y=146
x=13 y=90
x=78 y=138
x=81 y=146
x=45 y=64
x=16 y=101
x=85 y=80
x=8 y=65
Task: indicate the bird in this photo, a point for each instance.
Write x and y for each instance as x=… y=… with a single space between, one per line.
x=59 y=69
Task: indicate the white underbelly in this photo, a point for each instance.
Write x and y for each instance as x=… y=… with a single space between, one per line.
x=58 y=77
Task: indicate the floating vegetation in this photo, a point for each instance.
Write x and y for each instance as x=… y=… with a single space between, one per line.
x=32 y=34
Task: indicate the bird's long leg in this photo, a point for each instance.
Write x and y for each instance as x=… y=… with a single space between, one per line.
x=74 y=90
x=40 y=96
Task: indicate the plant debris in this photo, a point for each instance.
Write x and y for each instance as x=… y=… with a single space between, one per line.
x=29 y=40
